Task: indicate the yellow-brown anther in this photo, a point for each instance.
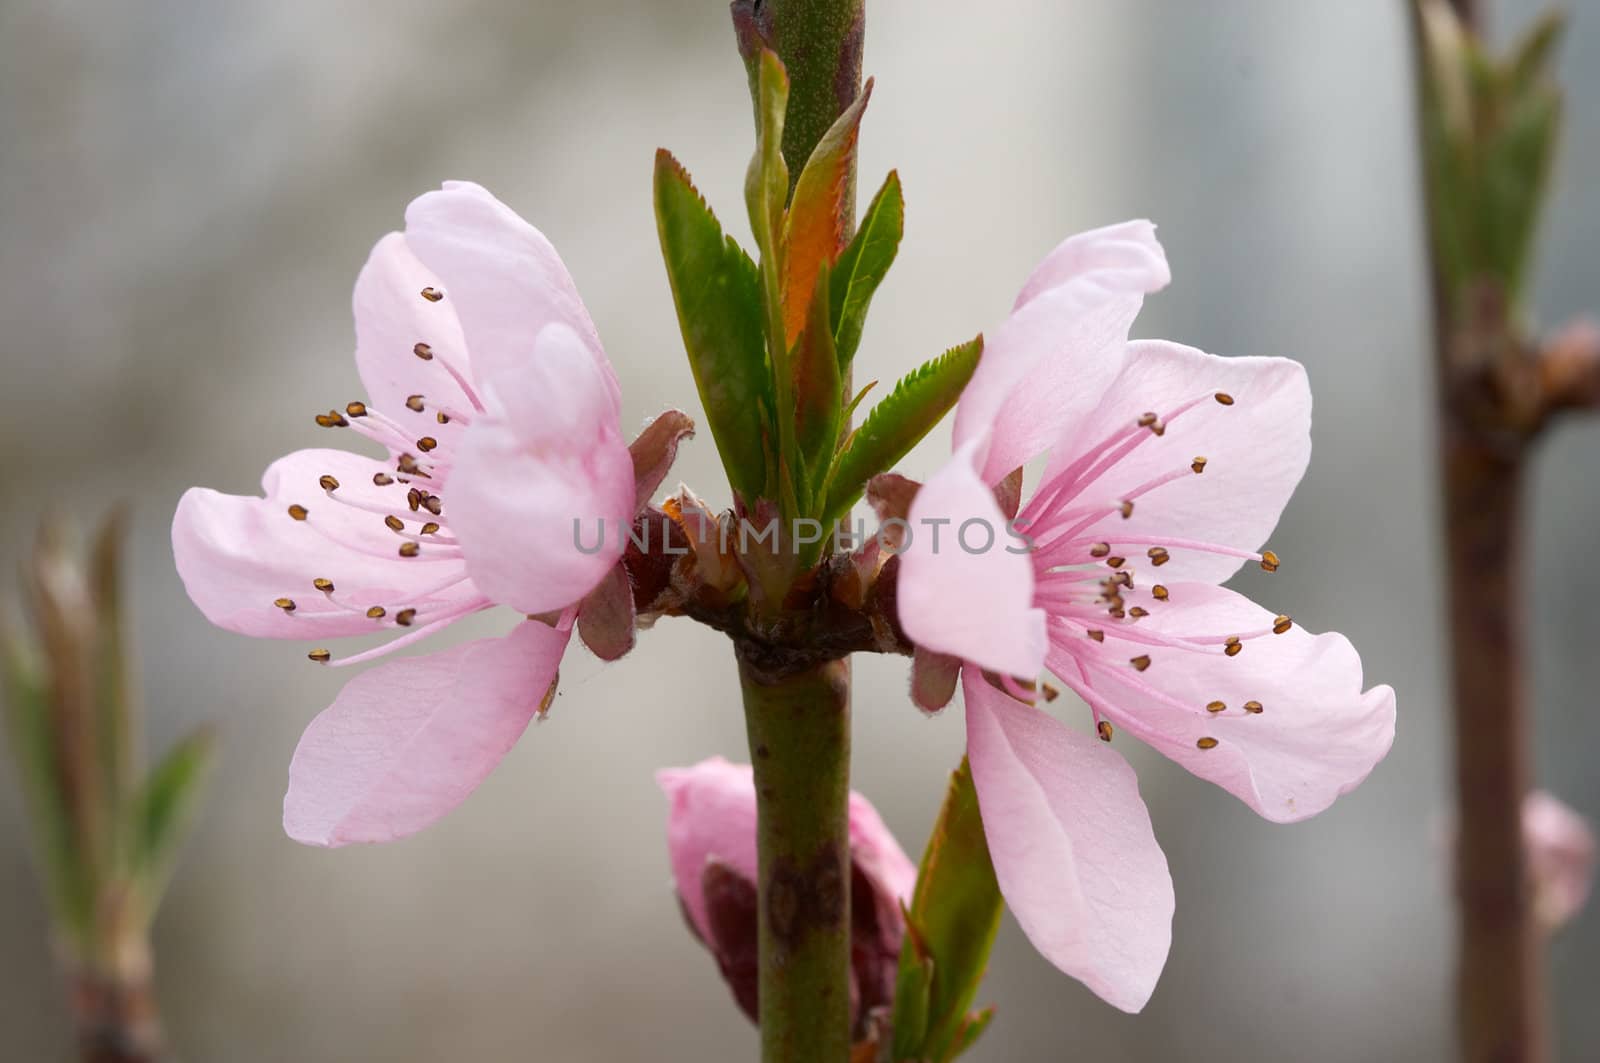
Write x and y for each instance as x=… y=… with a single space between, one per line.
x=1104 y=729
x=1224 y=398
x=430 y=527
x=1050 y=693
x=1198 y=464
x=1117 y=612
x=1208 y=742
x=441 y=418
x=324 y=421
x=414 y=403
x=286 y=604
x=409 y=549
x=1147 y=419
x=1140 y=663
x=1116 y=562
x=1269 y=560
x=356 y=409
x=414 y=499
x=1126 y=508
x=328 y=482
x=1215 y=706
x=1097 y=635
x=1158 y=429
x=432 y=504
x=1099 y=549
x=1137 y=611
x=394 y=523
x=1253 y=707
x=382 y=479
x=1159 y=593
x=321 y=656
x=1232 y=646
x=376 y=612
x=1158 y=555
x=433 y=295
x=1281 y=625
x=427 y=443
x=1124 y=578
x=323 y=585
x=299 y=512
x=405 y=616
x=407 y=463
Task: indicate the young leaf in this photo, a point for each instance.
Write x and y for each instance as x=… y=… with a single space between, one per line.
x=766 y=183
x=31 y=740
x=817 y=397
x=899 y=422
x=160 y=811
x=912 y=988
x=955 y=911
x=718 y=295
x=862 y=266
x=814 y=232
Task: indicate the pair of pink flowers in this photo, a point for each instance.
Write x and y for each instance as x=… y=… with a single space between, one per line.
x=499 y=415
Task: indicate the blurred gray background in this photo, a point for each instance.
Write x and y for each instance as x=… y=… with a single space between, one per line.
x=186 y=193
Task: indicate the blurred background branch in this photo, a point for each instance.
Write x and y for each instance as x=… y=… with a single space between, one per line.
x=1490 y=129
x=106 y=832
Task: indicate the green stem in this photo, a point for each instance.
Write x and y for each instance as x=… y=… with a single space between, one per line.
x=799 y=731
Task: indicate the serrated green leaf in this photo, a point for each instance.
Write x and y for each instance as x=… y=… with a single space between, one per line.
x=898 y=423
x=863 y=264
x=160 y=810
x=955 y=911
x=717 y=292
x=814 y=232
x=817 y=398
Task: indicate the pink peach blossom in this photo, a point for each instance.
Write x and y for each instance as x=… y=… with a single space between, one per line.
x=1167 y=470
x=1561 y=855
x=711 y=840
x=498 y=415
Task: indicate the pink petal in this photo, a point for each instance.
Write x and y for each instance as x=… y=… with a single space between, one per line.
x=542 y=493
x=1072 y=846
x=1561 y=857
x=392 y=318
x=504 y=278
x=962 y=600
x=1048 y=363
x=1317 y=735
x=1256 y=451
x=407 y=741
x=712 y=814
x=238 y=554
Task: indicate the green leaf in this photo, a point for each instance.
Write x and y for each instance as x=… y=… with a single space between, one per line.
x=161 y=809
x=817 y=387
x=814 y=233
x=899 y=422
x=862 y=266
x=955 y=912
x=766 y=182
x=31 y=739
x=718 y=295
x=972 y=1028
x=913 y=988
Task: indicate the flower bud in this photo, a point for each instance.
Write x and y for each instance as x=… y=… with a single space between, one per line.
x=711 y=840
x=1560 y=851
